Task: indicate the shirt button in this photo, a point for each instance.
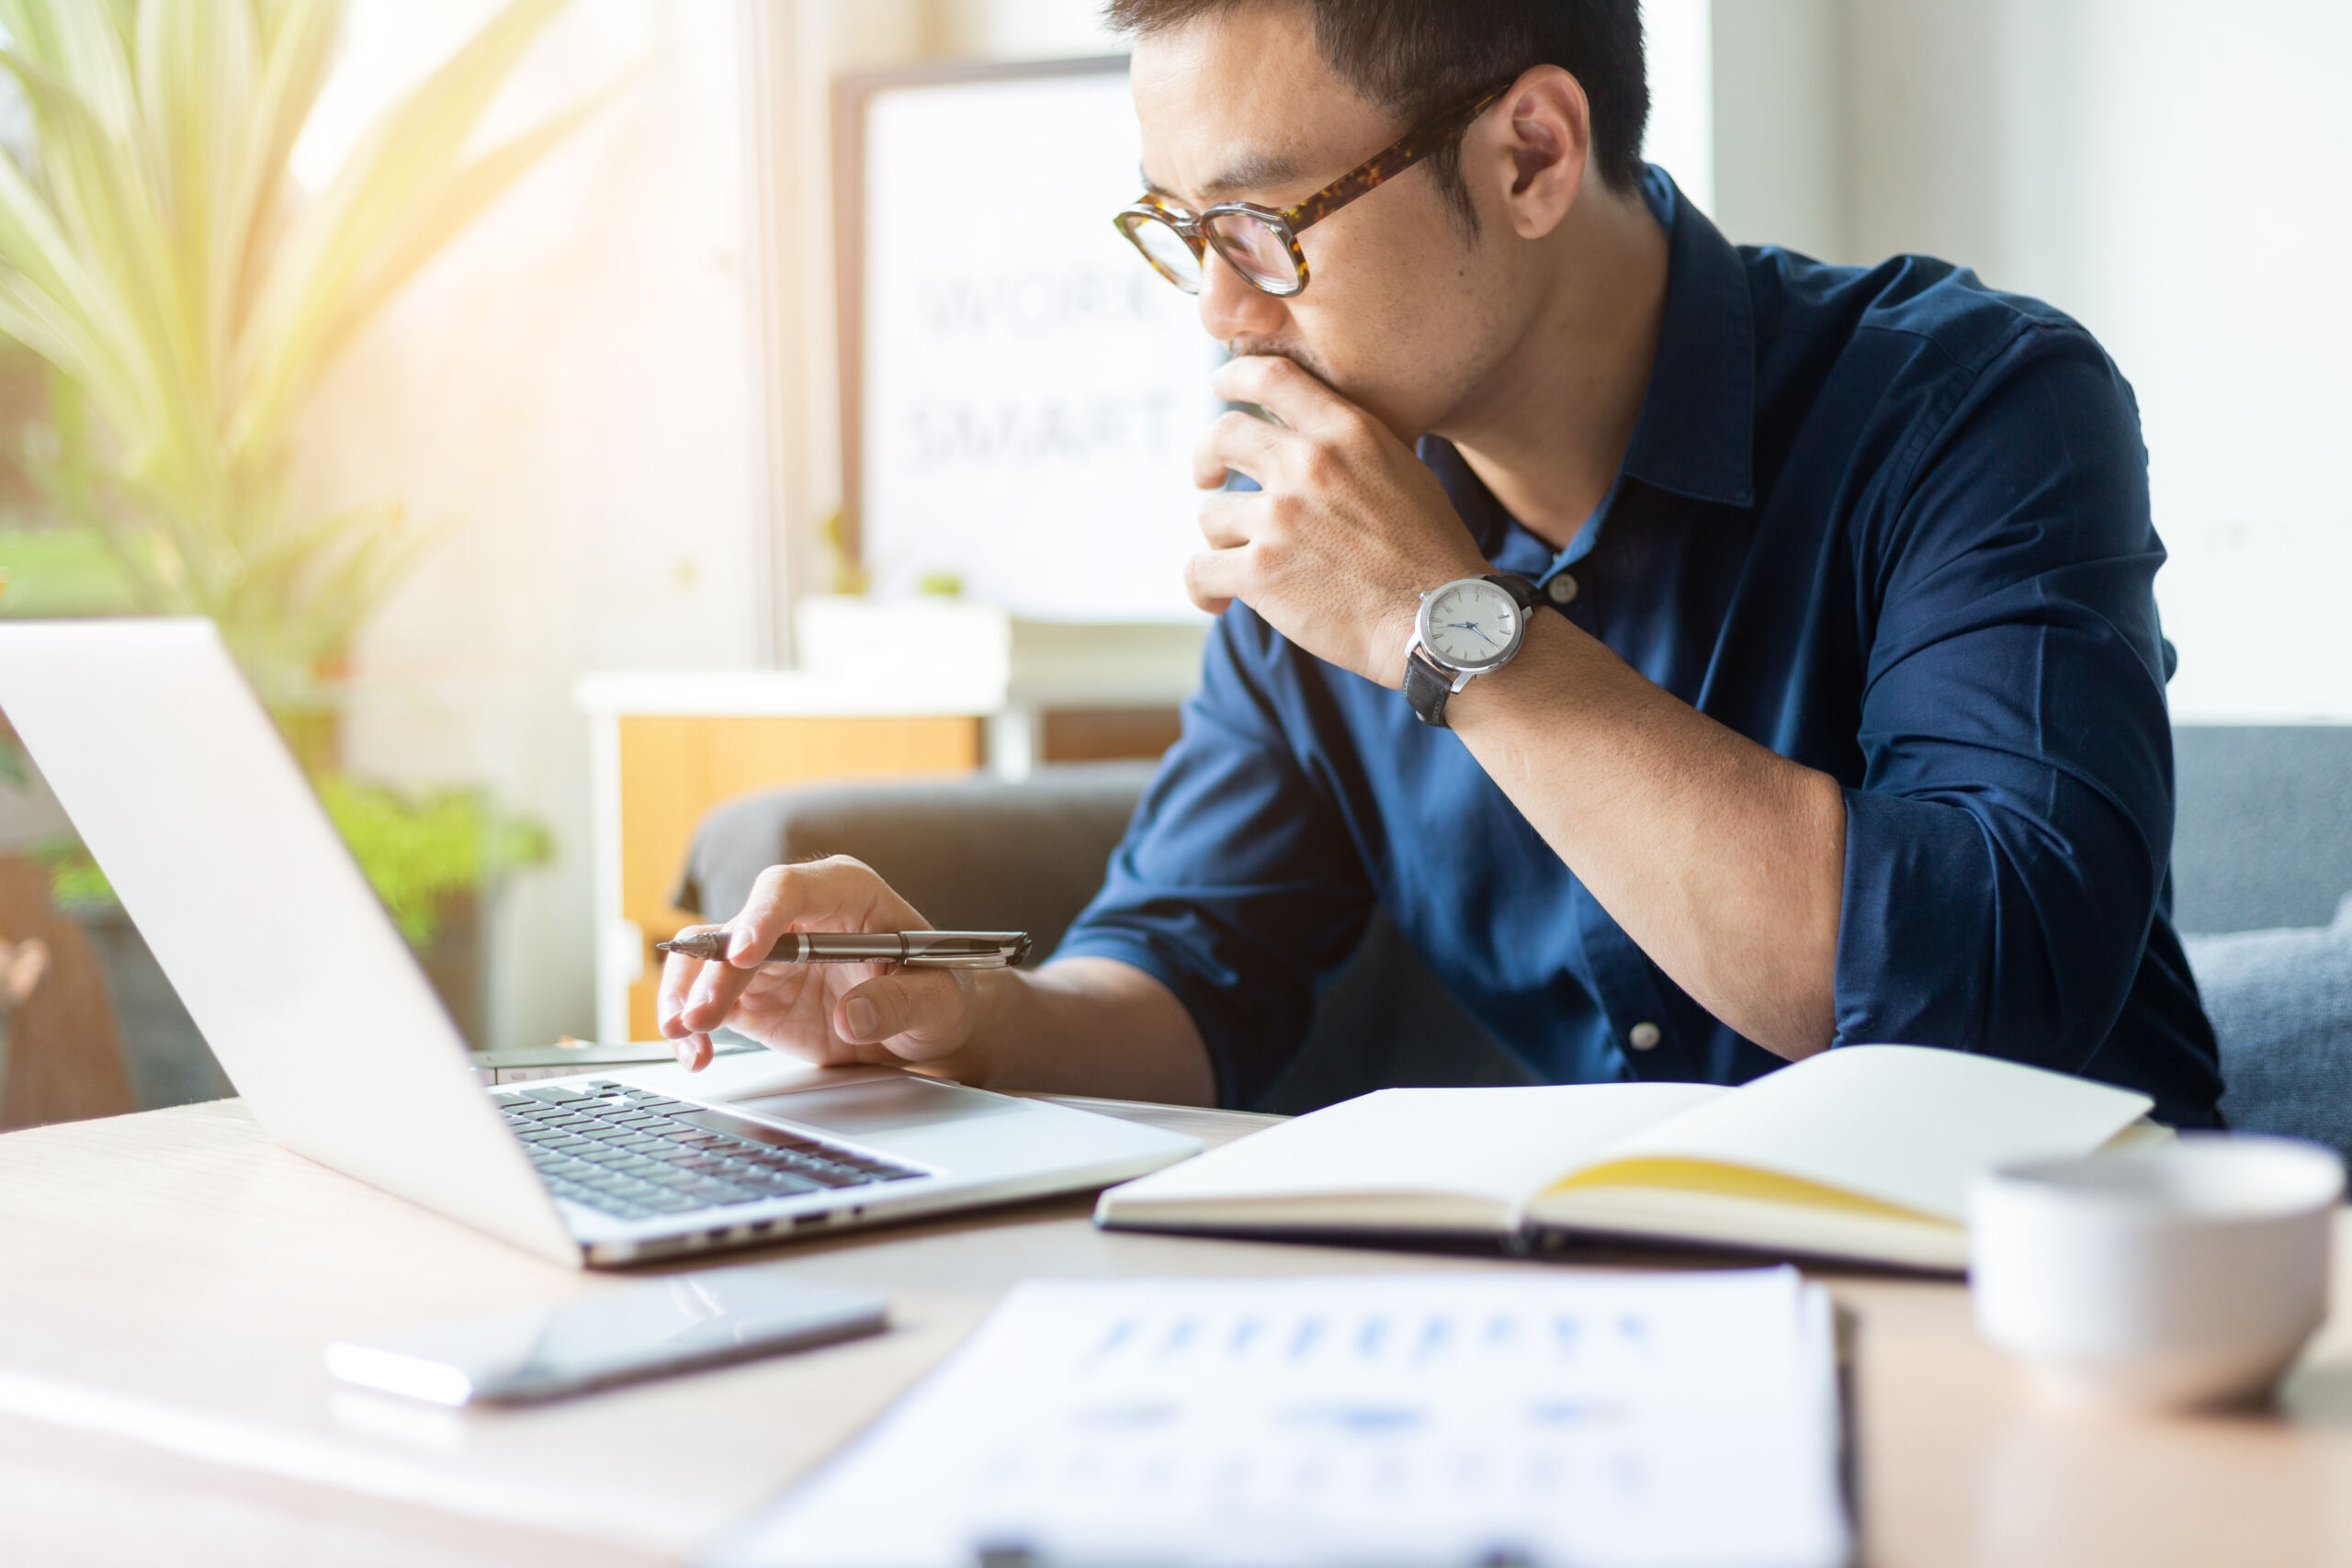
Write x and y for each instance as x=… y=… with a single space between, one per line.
x=1561 y=590
x=1642 y=1037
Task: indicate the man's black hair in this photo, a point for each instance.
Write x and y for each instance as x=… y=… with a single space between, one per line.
x=1417 y=57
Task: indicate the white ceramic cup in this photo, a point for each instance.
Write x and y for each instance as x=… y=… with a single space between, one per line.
x=2171 y=1276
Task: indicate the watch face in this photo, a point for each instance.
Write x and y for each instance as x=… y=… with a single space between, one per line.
x=1470 y=624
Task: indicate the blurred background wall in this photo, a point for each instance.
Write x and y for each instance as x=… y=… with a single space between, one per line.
x=2168 y=172
x=616 y=392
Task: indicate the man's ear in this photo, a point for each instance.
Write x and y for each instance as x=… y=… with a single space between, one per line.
x=1540 y=150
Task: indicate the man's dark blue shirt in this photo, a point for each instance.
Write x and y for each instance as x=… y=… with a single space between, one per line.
x=1889 y=524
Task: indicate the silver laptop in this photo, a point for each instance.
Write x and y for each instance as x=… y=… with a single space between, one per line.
x=306 y=992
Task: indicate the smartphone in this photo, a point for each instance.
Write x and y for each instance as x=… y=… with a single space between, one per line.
x=644 y=1329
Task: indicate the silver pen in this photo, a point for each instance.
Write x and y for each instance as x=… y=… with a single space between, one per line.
x=916 y=950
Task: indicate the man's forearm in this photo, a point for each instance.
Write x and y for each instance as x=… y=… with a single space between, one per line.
x=1724 y=861
x=1083 y=1026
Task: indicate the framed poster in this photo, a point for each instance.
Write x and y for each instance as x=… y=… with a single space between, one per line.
x=1020 y=394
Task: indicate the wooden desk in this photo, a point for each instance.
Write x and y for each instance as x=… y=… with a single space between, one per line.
x=166 y=1282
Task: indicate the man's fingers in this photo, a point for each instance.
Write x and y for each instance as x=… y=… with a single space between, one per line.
x=711 y=995
x=780 y=896
x=1235 y=443
x=785 y=1008
x=1231 y=519
x=1282 y=387
x=1214 y=579
x=678 y=973
x=919 y=1012
x=678 y=976
x=835 y=893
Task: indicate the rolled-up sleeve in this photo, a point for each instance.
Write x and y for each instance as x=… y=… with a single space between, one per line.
x=1236 y=885
x=2007 y=848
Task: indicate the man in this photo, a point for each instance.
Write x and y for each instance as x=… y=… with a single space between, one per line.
x=1818 y=695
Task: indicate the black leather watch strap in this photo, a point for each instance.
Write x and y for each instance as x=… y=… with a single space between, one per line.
x=1426 y=689
x=1522 y=591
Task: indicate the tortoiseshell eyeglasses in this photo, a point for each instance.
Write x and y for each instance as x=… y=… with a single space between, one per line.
x=1260 y=243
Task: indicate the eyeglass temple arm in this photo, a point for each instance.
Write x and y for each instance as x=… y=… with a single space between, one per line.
x=1411 y=148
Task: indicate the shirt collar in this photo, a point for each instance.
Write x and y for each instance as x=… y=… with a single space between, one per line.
x=1696 y=432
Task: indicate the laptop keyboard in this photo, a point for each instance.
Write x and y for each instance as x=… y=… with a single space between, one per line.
x=637 y=1153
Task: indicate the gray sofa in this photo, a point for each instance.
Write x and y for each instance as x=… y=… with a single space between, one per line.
x=2262 y=889
x=2263 y=855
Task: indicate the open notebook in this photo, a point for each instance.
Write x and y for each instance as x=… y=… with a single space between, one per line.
x=1864 y=1151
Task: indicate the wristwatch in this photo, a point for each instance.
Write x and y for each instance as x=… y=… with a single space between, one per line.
x=1466 y=628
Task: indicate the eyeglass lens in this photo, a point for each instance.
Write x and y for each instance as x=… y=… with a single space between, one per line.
x=1255 y=250
x=1167 y=251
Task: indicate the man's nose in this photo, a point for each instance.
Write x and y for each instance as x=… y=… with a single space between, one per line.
x=1231 y=309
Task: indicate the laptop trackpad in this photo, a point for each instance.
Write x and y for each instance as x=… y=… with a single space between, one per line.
x=879 y=1105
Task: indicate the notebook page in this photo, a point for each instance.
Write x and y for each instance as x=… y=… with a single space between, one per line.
x=1907 y=1125
x=1534 y=1417
x=1498 y=1144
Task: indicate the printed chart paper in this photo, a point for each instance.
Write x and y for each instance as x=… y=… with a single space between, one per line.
x=1584 y=1420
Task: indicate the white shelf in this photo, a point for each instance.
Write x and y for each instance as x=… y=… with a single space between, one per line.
x=859 y=657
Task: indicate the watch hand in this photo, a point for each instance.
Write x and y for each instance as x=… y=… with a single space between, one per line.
x=1468 y=627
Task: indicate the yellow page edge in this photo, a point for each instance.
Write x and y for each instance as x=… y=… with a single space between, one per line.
x=1736 y=1182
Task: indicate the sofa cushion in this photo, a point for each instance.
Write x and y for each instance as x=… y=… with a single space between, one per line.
x=2281 y=1006
x=2262 y=833
x=971 y=854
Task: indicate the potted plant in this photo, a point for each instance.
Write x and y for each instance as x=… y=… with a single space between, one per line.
x=185 y=297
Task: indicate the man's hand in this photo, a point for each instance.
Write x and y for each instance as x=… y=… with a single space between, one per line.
x=834 y=1014
x=1345 y=533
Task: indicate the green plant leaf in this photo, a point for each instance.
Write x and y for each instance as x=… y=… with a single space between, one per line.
x=408 y=154
x=298 y=49
x=423 y=234
x=75 y=883
x=64 y=571
x=53 y=303
x=96 y=188
x=416 y=851
x=157 y=252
